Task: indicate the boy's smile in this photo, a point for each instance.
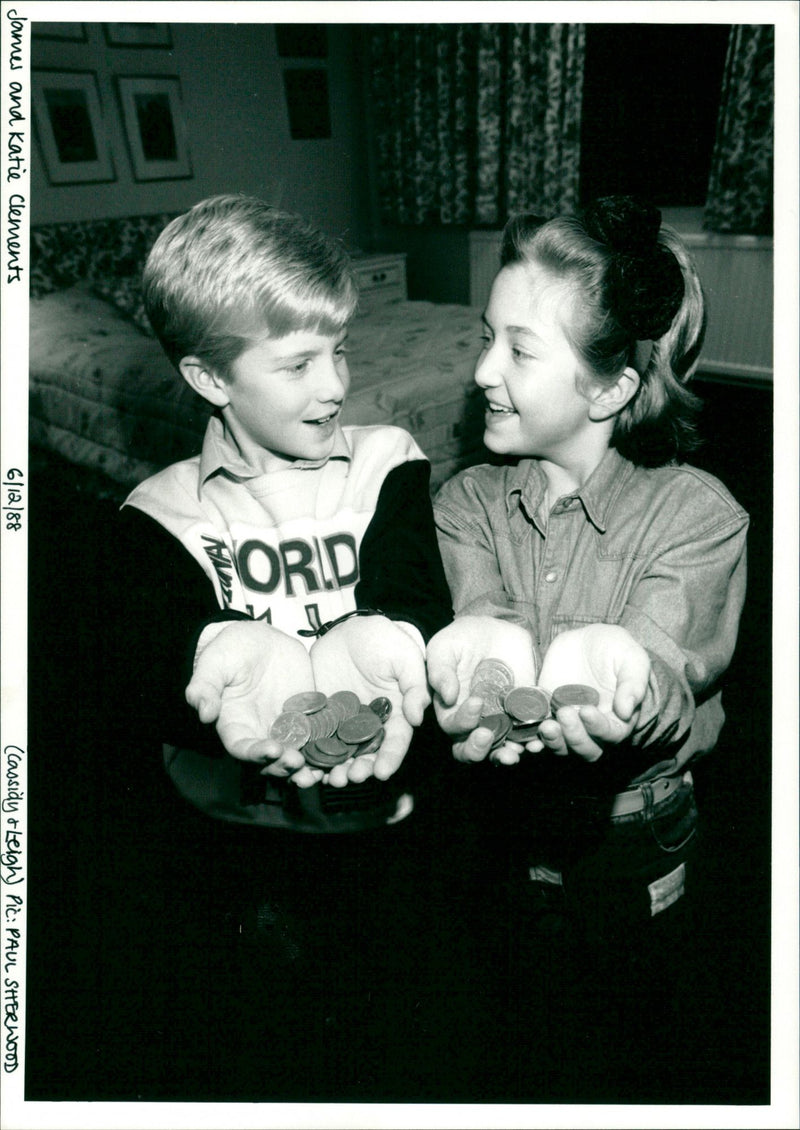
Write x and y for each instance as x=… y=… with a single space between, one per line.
x=284 y=397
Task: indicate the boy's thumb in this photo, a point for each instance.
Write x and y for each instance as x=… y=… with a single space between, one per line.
x=204 y=699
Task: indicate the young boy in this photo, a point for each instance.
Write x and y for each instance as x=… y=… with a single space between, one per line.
x=274 y=549
x=292 y=556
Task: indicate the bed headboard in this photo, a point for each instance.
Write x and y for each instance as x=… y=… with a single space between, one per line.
x=109 y=255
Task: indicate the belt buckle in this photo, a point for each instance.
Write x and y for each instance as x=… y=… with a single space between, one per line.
x=628 y=802
x=633 y=800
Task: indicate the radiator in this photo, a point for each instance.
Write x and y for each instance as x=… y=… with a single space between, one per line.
x=484 y=260
x=736 y=272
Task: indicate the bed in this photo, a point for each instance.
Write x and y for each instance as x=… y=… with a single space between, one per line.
x=104 y=398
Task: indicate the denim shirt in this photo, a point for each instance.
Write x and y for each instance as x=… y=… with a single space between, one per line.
x=658 y=551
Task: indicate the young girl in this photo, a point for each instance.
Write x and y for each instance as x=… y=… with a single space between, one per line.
x=595 y=556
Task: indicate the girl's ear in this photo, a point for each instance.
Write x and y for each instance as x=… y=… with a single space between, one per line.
x=199 y=376
x=609 y=400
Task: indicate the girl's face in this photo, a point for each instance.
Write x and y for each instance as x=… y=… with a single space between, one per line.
x=529 y=371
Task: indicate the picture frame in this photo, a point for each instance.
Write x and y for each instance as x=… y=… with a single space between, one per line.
x=137 y=35
x=70 y=127
x=67 y=32
x=155 y=130
x=307 y=103
x=301 y=41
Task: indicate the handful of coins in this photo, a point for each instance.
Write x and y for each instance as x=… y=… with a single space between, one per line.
x=515 y=713
x=330 y=729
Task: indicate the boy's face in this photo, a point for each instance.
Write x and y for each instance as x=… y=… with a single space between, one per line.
x=529 y=372
x=284 y=396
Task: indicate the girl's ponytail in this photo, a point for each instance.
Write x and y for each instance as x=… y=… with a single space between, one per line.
x=659 y=425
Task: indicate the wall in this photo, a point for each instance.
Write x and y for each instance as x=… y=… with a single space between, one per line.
x=238 y=132
x=237 y=125
x=438 y=260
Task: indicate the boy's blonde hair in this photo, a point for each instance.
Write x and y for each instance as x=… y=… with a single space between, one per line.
x=636 y=301
x=233 y=269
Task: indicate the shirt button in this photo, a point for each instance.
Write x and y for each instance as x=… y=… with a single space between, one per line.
x=551 y=576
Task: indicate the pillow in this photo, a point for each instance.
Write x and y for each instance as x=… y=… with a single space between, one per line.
x=125 y=292
x=75 y=311
x=95 y=376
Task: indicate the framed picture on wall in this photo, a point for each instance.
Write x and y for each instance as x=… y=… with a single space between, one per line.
x=307 y=102
x=137 y=35
x=154 y=126
x=301 y=41
x=70 y=127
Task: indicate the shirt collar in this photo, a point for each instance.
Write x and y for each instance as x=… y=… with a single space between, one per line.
x=526 y=486
x=601 y=490
x=221 y=455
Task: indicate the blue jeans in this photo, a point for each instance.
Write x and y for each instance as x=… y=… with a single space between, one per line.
x=636 y=876
x=623 y=878
x=606 y=986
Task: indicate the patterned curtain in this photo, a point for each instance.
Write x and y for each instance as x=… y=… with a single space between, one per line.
x=740 y=186
x=476 y=121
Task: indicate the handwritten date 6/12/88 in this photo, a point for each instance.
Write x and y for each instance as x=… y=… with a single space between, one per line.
x=13 y=498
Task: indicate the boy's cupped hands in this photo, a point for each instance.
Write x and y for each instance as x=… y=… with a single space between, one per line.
x=375 y=657
x=242 y=676
x=246 y=670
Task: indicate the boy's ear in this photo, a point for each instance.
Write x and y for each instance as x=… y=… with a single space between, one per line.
x=204 y=381
x=608 y=401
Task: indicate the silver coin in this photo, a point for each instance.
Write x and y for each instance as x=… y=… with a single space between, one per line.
x=527 y=704
x=318 y=759
x=574 y=694
x=323 y=722
x=307 y=702
x=362 y=727
x=372 y=746
x=494 y=671
x=334 y=747
x=499 y=724
x=523 y=734
x=344 y=703
x=382 y=707
x=491 y=695
x=291 y=729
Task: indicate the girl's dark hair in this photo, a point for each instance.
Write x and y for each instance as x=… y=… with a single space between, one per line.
x=637 y=301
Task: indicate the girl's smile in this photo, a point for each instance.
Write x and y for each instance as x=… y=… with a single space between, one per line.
x=493 y=409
